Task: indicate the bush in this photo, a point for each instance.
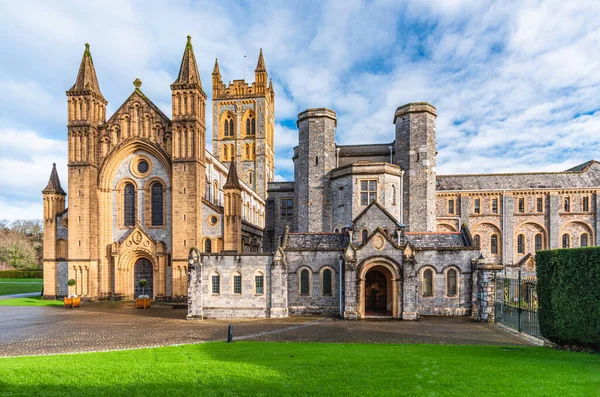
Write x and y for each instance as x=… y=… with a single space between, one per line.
x=569 y=295
x=21 y=274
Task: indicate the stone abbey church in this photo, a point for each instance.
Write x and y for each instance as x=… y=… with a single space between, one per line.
x=363 y=230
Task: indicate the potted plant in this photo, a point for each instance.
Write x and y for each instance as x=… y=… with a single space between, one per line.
x=142 y=301
x=72 y=300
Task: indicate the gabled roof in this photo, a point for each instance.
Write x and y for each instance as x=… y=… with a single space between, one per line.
x=582 y=167
x=53 y=185
x=86 y=76
x=378 y=230
x=137 y=93
x=376 y=204
x=188 y=71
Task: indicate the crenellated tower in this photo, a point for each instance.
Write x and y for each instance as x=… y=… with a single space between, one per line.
x=86 y=111
x=244 y=125
x=188 y=159
x=232 y=211
x=54 y=204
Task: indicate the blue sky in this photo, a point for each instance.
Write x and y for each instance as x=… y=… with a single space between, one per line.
x=516 y=84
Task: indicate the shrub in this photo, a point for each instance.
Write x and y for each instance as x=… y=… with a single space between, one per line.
x=21 y=274
x=569 y=295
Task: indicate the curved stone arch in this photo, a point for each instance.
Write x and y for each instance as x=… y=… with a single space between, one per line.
x=529 y=239
x=421 y=272
x=222 y=117
x=245 y=116
x=575 y=229
x=310 y=280
x=364 y=265
x=333 y=279
x=129 y=257
x=385 y=265
x=486 y=230
x=446 y=226
x=445 y=270
x=116 y=158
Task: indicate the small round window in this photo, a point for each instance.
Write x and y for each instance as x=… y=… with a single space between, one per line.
x=143 y=166
x=213 y=220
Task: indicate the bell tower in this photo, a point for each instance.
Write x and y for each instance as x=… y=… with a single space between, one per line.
x=86 y=111
x=244 y=125
x=189 y=163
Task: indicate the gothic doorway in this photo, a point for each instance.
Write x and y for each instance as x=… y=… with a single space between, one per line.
x=380 y=290
x=143 y=270
x=376 y=294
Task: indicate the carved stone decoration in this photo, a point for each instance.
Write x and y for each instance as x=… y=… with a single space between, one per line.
x=137 y=237
x=378 y=242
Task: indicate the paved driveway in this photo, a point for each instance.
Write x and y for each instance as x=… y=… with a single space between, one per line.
x=109 y=326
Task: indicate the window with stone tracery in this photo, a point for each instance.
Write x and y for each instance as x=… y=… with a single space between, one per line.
x=157 y=204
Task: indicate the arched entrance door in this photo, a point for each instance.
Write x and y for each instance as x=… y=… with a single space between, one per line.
x=143 y=270
x=376 y=293
x=380 y=289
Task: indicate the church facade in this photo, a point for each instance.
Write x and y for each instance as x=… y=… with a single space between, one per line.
x=362 y=230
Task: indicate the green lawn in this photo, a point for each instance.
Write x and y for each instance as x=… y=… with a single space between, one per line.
x=32 y=301
x=9 y=286
x=277 y=369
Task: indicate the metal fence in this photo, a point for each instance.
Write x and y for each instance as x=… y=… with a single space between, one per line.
x=516 y=304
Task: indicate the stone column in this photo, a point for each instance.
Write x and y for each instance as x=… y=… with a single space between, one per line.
x=195 y=303
x=410 y=290
x=486 y=290
x=509 y=227
x=279 y=287
x=553 y=221
x=352 y=289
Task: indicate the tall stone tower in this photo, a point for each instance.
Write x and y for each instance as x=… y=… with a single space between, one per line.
x=415 y=149
x=188 y=158
x=314 y=158
x=244 y=125
x=86 y=111
x=232 y=212
x=54 y=203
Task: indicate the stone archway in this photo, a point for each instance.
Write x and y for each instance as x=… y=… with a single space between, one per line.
x=143 y=269
x=379 y=290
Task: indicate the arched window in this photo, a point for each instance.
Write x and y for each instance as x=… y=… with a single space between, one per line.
x=566 y=241
x=393 y=194
x=207 y=246
x=427 y=282
x=538 y=242
x=247 y=152
x=494 y=244
x=451 y=283
x=225 y=153
x=520 y=244
x=583 y=240
x=327 y=282
x=304 y=282
x=567 y=204
x=129 y=205
x=237 y=283
x=365 y=235
x=61 y=249
x=215 y=192
x=253 y=126
x=230 y=126
x=157 y=204
x=226 y=127
x=250 y=178
x=477 y=240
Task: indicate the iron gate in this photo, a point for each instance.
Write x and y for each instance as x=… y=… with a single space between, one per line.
x=516 y=304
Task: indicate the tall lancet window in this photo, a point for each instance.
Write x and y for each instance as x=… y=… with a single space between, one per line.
x=157 y=204
x=129 y=205
x=226 y=127
x=230 y=127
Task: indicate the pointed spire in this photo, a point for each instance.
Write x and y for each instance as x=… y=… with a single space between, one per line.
x=54 y=183
x=260 y=66
x=233 y=182
x=86 y=77
x=216 y=70
x=271 y=84
x=188 y=72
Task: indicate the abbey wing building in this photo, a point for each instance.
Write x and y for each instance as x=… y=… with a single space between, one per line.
x=363 y=230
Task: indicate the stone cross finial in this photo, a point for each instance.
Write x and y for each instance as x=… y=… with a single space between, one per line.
x=137 y=83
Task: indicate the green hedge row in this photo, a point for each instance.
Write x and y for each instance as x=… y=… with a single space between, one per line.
x=21 y=274
x=569 y=295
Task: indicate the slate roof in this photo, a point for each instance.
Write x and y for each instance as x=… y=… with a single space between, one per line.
x=365 y=150
x=53 y=185
x=436 y=240
x=316 y=242
x=86 y=76
x=581 y=176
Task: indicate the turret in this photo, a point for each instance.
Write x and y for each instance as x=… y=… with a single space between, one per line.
x=217 y=82
x=188 y=157
x=415 y=149
x=54 y=203
x=232 y=210
x=314 y=158
x=260 y=73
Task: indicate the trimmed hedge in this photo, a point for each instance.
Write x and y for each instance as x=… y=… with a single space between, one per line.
x=569 y=295
x=21 y=274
